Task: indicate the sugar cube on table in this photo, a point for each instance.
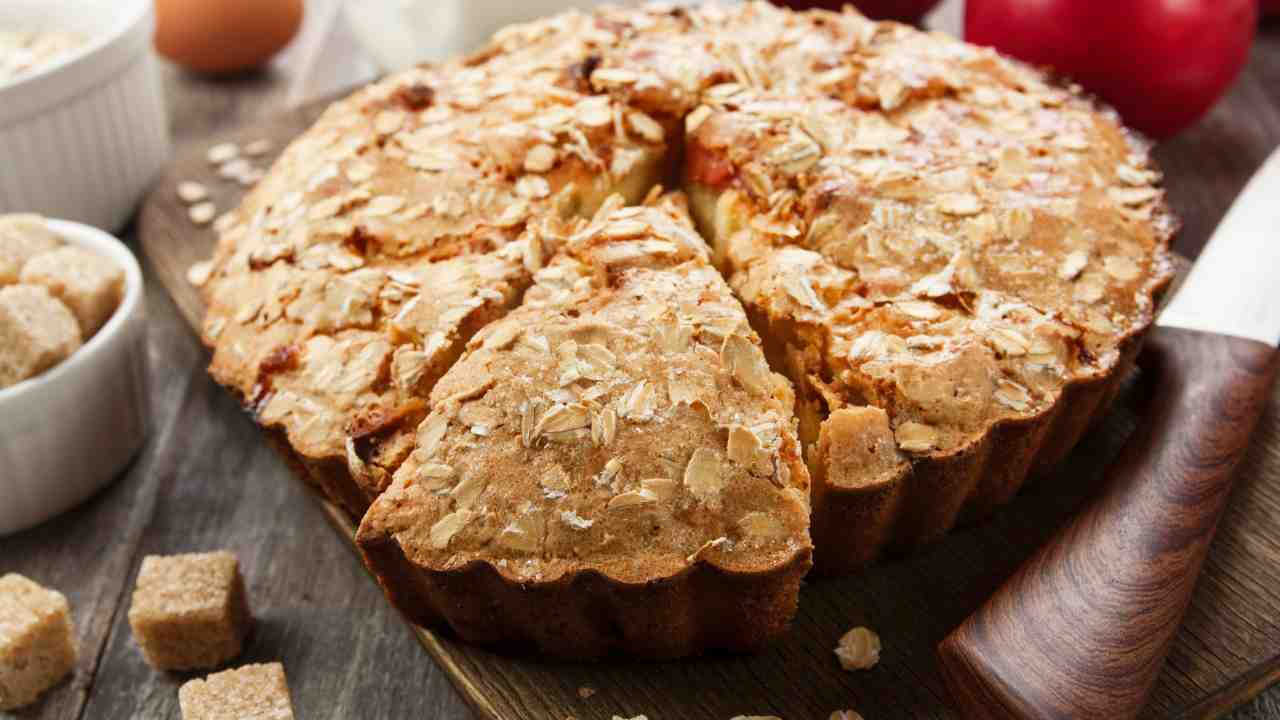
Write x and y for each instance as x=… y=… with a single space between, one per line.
x=252 y=692
x=36 y=332
x=22 y=237
x=36 y=645
x=88 y=283
x=190 y=611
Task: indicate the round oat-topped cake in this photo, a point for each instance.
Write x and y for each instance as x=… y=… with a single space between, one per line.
x=465 y=308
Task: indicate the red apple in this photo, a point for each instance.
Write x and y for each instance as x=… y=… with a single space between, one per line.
x=1161 y=63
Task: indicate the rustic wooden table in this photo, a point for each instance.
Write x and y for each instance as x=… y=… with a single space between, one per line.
x=192 y=487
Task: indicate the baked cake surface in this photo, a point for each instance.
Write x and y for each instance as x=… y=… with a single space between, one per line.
x=622 y=422
x=951 y=256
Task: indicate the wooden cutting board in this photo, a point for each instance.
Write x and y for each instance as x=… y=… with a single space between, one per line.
x=1227 y=651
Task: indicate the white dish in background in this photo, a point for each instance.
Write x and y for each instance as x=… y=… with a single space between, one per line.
x=83 y=136
x=69 y=431
x=400 y=33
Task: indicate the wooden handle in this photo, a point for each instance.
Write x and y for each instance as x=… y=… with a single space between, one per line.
x=1082 y=628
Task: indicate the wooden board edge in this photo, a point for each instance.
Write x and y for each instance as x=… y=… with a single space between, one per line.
x=429 y=640
x=1232 y=695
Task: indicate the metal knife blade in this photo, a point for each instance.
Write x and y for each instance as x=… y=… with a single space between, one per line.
x=1234 y=286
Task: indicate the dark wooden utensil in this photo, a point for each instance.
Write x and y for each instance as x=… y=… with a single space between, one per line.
x=1082 y=628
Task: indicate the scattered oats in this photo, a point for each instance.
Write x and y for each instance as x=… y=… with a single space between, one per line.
x=1072 y=141
x=802 y=292
x=1013 y=396
x=631 y=498
x=430 y=433
x=844 y=715
x=637 y=403
x=1009 y=342
x=609 y=471
x=198 y=274
x=919 y=310
x=563 y=418
x=250 y=177
x=1089 y=290
x=1073 y=264
x=916 y=437
x=859 y=649
x=1122 y=268
x=744 y=361
x=233 y=169
x=959 y=204
x=661 y=488
x=1131 y=175
x=467 y=491
x=383 y=205
x=190 y=191
x=762 y=525
x=575 y=521
x=448 y=526
x=202 y=213
x=224 y=221
x=703 y=476
x=694 y=120
x=645 y=126
x=388 y=121
x=743 y=445
x=221 y=153
x=1132 y=196
x=533 y=187
x=257 y=148
x=604 y=427
x=585 y=692
x=540 y=159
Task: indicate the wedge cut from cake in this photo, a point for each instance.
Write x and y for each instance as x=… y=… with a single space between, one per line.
x=612 y=466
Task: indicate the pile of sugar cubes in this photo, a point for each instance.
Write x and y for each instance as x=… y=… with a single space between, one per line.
x=53 y=297
x=189 y=612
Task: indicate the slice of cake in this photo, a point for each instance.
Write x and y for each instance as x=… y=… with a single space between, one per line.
x=393 y=230
x=614 y=458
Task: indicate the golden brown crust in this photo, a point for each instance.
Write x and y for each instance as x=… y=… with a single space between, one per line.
x=621 y=424
x=952 y=256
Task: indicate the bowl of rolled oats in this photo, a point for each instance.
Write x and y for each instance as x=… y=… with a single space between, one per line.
x=83 y=128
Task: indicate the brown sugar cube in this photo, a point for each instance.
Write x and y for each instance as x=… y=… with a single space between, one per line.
x=87 y=282
x=36 y=647
x=23 y=237
x=36 y=332
x=252 y=692
x=190 y=611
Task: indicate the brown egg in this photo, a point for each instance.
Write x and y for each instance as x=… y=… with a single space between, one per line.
x=224 y=36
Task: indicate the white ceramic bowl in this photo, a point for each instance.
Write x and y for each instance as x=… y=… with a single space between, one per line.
x=70 y=430
x=83 y=136
x=400 y=33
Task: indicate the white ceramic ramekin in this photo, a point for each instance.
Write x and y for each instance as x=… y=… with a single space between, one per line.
x=70 y=430
x=83 y=137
